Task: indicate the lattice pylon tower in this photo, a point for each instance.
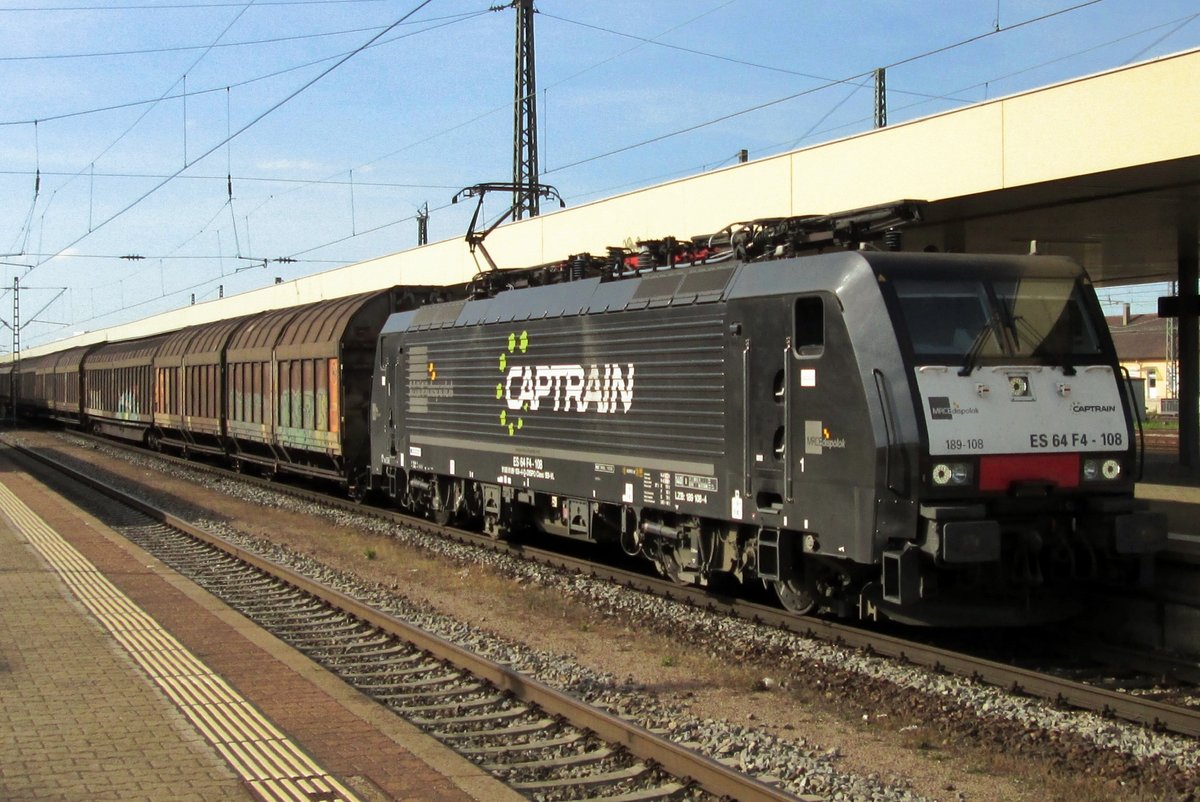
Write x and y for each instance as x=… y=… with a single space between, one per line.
x=525 y=147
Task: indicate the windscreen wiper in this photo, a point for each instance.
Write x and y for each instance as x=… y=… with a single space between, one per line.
x=976 y=348
x=1020 y=324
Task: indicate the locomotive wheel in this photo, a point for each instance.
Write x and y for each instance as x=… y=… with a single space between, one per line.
x=493 y=528
x=795 y=596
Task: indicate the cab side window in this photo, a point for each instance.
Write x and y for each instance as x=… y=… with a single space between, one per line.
x=808 y=326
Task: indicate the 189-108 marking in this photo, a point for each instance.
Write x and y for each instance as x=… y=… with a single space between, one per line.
x=1039 y=440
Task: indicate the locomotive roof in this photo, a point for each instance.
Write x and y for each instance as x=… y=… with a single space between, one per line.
x=708 y=284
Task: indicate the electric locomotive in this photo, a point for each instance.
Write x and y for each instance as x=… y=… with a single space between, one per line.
x=931 y=438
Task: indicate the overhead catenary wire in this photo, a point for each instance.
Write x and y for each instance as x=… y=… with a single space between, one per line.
x=314 y=182
x=136 y=122
x=26 y=226
x=802 y=93
x=154 y=51
x=1178 y=24
x=357 y=180
x=174 y=6
x=851 y=80
x=153 y=104
x=378 y=40
x=243 y=178
x=185 y=257
x=472 y=120
x=642 y=41
x=717 y=56
x=150 y=51
x=449 y=20
x=244 y=128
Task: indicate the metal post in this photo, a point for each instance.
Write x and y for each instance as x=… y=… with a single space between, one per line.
x=525 y=151
x=1172 y=349
x=423 y=225
x=1189 y=343
x=881 y=98
x=15 y=385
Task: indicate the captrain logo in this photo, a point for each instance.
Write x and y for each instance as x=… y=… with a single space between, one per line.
x=604 y=388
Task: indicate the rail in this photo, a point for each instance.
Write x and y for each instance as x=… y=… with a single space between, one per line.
x=680 y=761
x=1157 y=715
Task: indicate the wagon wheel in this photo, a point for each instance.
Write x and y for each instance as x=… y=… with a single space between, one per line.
x=795 y=595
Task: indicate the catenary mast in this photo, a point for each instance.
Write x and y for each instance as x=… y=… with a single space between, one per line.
x=525 y=148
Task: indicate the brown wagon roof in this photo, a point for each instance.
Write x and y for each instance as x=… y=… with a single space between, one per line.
x=324 y=323
x=127 y=353
x=198 y=344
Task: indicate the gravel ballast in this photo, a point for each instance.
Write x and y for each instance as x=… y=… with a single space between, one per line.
x=904 y=700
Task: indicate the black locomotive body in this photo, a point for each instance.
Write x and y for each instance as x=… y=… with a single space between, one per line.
x=931 y=438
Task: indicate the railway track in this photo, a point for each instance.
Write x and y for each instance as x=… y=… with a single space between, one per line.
x=542 y=742
x=1159 y=715
x=1162 y=440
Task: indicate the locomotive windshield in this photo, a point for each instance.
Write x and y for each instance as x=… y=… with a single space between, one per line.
x=964 y=320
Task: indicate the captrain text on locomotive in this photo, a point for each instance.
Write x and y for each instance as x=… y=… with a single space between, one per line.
x=933 y=438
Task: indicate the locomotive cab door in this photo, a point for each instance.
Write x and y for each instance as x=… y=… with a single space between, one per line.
x=766 y=436
x=386 y=397
x=783 y=344
x=388 y=357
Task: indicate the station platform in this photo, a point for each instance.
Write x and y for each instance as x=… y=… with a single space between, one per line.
x=1174 y=490
x=123 y=681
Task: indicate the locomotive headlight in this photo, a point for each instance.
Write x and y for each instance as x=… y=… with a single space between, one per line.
x=951 y=474
x=1098 y=469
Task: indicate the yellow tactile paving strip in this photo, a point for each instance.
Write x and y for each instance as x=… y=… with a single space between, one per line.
x=270 y=764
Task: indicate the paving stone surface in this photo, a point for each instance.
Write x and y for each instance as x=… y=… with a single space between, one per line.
x=77 y=721
x=80 y=721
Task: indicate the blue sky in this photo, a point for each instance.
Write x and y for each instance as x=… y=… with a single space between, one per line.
x=329 y=166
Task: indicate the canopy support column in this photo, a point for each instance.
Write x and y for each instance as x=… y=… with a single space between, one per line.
x=1189 y=343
